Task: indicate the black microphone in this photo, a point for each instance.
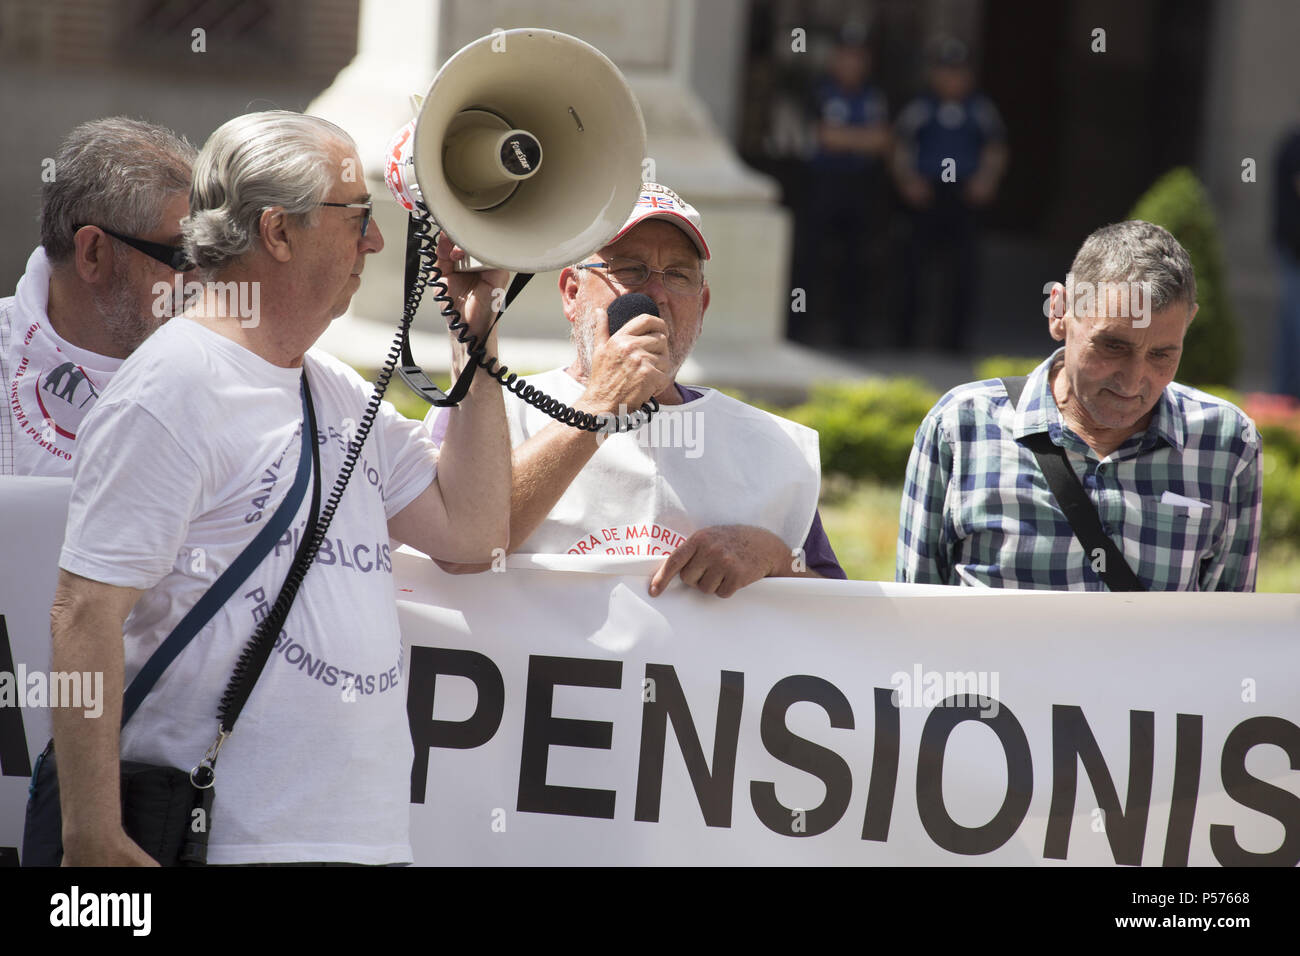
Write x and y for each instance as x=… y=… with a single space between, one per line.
x=627 y=307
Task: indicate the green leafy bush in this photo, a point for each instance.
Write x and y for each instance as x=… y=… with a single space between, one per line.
x=866 y=428
x=1281 y=512
x=1211 y=351
x=1283 y=442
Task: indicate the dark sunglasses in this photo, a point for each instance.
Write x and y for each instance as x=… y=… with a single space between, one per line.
x=365 y=216
x=172 y=256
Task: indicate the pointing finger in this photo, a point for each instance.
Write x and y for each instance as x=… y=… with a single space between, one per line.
x=672 y=564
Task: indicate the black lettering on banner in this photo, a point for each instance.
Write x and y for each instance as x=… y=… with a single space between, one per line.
x=884 y=768
x=713 y=788
x=1252 y=792
x=543 y=731
x=426 y=664
x=14 y=758
x=795 y=751
x=943 y=830
x=1072 y=742
x=1187 y=778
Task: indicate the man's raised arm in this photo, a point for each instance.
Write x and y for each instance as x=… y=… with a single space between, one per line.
x=464 y=514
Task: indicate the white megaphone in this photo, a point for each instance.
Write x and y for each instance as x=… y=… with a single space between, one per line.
x=526 y=150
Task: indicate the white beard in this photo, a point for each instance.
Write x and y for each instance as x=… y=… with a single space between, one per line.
x=583 y=336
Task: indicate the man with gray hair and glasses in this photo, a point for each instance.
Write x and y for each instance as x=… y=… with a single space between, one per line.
x=186 y=459
x=110 y=233
x=1104 y=473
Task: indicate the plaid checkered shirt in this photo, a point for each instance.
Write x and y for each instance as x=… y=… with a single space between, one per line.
x=977 y=511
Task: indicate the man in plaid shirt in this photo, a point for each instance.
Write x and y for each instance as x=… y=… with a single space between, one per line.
x=1173 y=472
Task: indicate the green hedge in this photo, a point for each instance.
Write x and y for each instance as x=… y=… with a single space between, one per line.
x=1281 y=517
x=866 y=429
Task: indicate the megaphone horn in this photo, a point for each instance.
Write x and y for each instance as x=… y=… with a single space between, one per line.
x=526 y=150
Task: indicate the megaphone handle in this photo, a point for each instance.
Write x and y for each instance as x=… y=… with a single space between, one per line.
x=415 y=377
x=419 y=272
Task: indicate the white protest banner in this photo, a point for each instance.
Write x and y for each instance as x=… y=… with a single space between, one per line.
x=568 y=717
x=33 y=512
x=561 y=715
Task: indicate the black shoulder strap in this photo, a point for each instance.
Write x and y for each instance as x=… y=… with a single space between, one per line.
x=225 y=586
x=1074 y=501
x=249 y=666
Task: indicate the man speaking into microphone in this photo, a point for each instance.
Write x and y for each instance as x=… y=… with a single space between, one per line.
x=726 y=493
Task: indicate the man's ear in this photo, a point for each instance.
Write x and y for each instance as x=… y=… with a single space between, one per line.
x=1056 y=317
x=1196 y=307
x=92 y=255
x=273 y=227
x=704 y=302
x=569 y=281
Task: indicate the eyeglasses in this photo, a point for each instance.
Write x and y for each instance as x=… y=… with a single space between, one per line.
x=631 y=274
x=365 y=216
x=172 y=256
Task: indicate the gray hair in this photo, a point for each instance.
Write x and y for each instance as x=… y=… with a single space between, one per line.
x=1137 y=251
x=254 y=162
x=117 y=173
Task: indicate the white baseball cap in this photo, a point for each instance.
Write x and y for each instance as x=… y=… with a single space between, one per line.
x=660 y=202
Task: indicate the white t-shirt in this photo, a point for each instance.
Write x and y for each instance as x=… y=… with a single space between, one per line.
x=185 y=456
x=710 y=461
x=50 y=385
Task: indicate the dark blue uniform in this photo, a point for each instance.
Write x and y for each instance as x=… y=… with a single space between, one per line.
x=843 y=207
x=942 y=136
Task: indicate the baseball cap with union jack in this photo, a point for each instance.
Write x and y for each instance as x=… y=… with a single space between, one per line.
x=660 y=202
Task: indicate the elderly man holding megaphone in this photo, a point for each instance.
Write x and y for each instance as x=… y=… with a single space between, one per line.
x=210 y=479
